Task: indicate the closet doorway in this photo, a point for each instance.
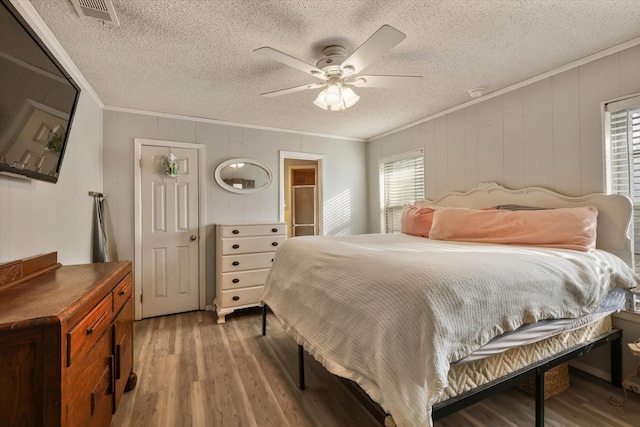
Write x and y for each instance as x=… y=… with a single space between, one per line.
x=301 y=190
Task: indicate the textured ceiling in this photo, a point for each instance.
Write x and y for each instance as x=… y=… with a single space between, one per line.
x=195 y=57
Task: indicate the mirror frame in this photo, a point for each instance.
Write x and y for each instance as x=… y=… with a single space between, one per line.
x=232 y=189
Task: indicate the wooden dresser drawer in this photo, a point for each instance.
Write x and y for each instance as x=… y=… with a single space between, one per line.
x=89 y=387
x=122 y=293
x=251 y=244
x=247 y=262
x=87 y=331
x=253 y=230
x=244 y=279
x=238 y=297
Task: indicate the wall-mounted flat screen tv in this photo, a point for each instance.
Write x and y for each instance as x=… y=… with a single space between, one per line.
x=38 y=99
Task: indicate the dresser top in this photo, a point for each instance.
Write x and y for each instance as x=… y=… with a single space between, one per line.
x=56 y=294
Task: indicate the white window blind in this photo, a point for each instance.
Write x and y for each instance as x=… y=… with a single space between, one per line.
x=401 y=182
x=623 y=160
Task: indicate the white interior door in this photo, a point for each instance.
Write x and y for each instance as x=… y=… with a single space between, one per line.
x=170 y=248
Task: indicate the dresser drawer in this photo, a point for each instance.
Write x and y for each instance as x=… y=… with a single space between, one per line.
x=253 y=230
x=247 y=262
x=89 y=387
x=88 y=330
x=122 y=293
x=244 y=279
x=238 y=297
x=245 y=245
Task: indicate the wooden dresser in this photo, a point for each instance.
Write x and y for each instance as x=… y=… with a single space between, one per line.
x=244 y=253
x=66 y=341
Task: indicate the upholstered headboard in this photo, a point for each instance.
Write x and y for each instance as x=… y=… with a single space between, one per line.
x=615 y=211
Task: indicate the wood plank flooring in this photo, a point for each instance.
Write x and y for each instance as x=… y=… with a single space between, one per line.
x=194 y=372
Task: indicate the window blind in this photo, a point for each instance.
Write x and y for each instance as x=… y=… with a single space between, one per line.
x=624 y=159
x=401 y=182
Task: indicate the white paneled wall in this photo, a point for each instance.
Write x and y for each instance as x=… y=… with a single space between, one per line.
x=547 y=134
x=344 y=181
x=38 y=217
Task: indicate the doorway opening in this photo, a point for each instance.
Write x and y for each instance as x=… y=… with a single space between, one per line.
x=301 y=193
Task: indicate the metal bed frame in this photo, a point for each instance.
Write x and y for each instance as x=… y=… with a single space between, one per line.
x=537 y=370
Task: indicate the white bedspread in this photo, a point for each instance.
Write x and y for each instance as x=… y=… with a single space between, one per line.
x=391 y=312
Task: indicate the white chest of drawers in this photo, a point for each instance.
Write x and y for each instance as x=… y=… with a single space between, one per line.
x=244 y=253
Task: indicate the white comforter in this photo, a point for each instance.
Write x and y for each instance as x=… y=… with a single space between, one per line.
x=391 y=312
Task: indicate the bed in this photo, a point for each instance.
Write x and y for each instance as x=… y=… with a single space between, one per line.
x=398 y=314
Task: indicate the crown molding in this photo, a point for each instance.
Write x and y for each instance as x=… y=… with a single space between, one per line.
x=225 y=123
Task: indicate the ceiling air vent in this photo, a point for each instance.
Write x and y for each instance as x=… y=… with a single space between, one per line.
x=102 y=10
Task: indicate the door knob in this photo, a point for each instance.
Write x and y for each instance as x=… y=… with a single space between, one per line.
x=193 y=237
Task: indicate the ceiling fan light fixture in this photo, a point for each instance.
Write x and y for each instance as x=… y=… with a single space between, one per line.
x=332 y=96
x=320 y=100
x=337 y=70
x=349 y=97
x=345 y=97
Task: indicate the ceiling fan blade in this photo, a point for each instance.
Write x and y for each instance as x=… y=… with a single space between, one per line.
x=294 y=89
x=393 y=82
x=276 y=55
x=377 y=45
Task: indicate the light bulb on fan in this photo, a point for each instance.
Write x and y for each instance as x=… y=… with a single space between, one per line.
x=333 y=97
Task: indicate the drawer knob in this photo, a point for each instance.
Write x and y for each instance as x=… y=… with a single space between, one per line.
x=121 y=293
x=236 y=231
x=235 y=246
x=235 y=263
x=236 y=298
x=271 y=259
x=236 y=280
x=275 y=230
x=274 y=244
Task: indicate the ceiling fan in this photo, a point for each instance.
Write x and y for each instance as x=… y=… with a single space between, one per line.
x=338 y=71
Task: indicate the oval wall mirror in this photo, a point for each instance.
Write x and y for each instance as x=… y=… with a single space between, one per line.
x=243 y=176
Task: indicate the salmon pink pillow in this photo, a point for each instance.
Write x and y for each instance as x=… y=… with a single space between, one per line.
x=416 y=221
x=564 y=228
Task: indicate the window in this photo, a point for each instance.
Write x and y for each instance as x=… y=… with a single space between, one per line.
x=622 y=128
x=401 y=182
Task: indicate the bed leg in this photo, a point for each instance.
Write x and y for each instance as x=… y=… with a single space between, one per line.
x=301 y=366
x=539 y=398
x=264 y=320
x=616 y=362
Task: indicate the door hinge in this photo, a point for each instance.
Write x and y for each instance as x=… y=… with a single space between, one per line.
x=140 y=163
x=141 y=298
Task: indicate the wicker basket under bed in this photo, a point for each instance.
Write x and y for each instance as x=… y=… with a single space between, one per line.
x=556 y=380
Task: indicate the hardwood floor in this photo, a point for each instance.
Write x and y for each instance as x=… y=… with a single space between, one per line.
x=193 y=372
